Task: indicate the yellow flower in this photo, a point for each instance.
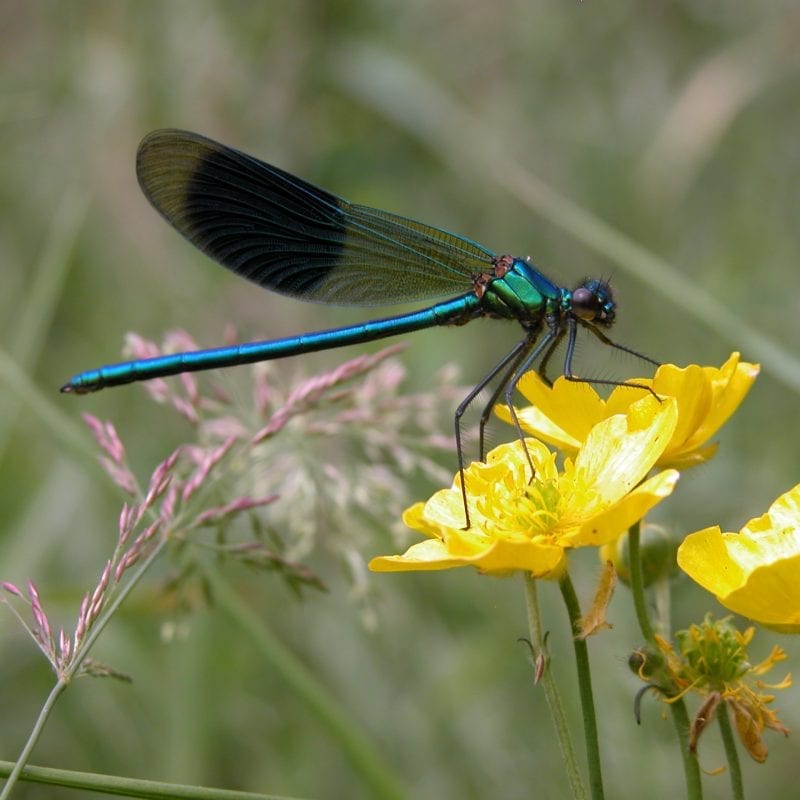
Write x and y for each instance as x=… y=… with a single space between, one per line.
x=711 y=659
x=523 y=524
x=563 y=414
x=755 y=572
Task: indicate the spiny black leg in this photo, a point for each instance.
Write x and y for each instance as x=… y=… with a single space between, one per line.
x=550 y=341
x=611 y=343
x=545 y=361
x=570 y=375
x=528 y=342
x=572 y=330
x=515 y=355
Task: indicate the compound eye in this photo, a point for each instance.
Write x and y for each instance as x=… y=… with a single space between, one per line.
x=585 y=304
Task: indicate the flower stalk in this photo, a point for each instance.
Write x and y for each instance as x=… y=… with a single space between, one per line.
x=677 y=707
x=731 y=753
x=637 y=582
x=551 y=693
x=584 y=686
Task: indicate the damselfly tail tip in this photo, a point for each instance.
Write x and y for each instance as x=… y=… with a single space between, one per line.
x=73 y=387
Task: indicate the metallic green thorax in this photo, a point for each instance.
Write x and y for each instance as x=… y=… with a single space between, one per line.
x=517 y=290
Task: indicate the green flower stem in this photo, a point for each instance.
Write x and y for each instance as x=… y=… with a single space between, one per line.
x=637 y=583
x=551 y=693
x=585 y=686
x=691 y=767
x=362 y=754
x=734 y=767
x=680 y=717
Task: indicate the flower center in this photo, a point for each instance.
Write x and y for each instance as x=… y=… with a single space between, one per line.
x=531 y=512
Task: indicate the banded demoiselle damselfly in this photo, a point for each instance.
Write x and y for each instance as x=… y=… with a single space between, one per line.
x=301 y=241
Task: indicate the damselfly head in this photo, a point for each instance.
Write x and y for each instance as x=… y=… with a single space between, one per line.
x=593 y=301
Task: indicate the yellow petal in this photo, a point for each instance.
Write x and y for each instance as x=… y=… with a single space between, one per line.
x=704 y=557
x=704 y=407
x=428 y=555
x=756 y=572
x=608 y=526
x=444 y=510
x=500 y=557
x=561 y=414
x=573 y=405
x=686 y=457
x=771 y=594
x=414 y=517
x=506 y=555
x=785 y=511
x=729 y=384
x=690 y=387
x=534 y=421
x=619 y=452
x=620 y=400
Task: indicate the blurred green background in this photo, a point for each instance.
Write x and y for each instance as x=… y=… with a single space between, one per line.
x=570 y=132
